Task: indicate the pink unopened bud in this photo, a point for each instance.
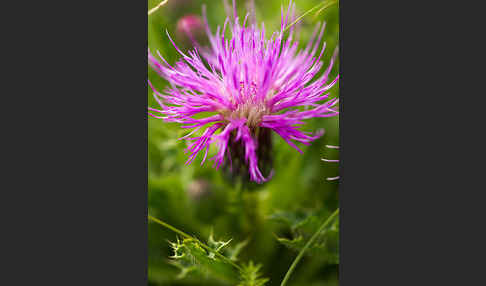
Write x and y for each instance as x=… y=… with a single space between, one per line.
x=190 y=30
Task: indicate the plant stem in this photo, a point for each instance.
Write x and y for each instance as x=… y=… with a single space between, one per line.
x=180 y=232
x=157 y=7
x=307 y=245
x=183 y=234
x=324 y=5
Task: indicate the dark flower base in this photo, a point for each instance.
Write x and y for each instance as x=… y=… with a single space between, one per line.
x=237 y=169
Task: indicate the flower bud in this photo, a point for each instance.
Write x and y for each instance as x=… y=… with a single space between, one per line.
x=190 y=30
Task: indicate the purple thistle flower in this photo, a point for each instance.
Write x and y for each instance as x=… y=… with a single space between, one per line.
x=250 y=86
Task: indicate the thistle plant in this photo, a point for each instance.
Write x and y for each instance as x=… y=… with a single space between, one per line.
x=214 y=257
x=232 y=96
x=242 y=89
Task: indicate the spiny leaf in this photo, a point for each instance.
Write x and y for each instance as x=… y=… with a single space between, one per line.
x=232 y=252
x=184 y=269
x=216 y=245
x=190 y=256
x=223 y=247
x=250 y=275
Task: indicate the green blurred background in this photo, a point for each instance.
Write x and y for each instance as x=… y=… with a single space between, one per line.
x=200 y=199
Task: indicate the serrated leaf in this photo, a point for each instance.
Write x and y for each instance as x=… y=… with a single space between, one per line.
x=302 y=227
x=190 y=256
x=233 y=252
x=217 y=245
x=292 y=219
x=250 y=275
x=223 y=247
x=184 y=269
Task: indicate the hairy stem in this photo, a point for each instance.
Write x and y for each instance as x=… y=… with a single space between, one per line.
x=307 y=245
x=183 y=234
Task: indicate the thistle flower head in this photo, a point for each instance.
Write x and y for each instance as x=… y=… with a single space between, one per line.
x=246 y=87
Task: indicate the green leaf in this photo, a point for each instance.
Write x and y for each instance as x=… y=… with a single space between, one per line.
x=250 y=275
x=302 y=226
x=292 y=219
x=217 y=246
x=222 y=247
x=232 y=252
x=189 y=256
